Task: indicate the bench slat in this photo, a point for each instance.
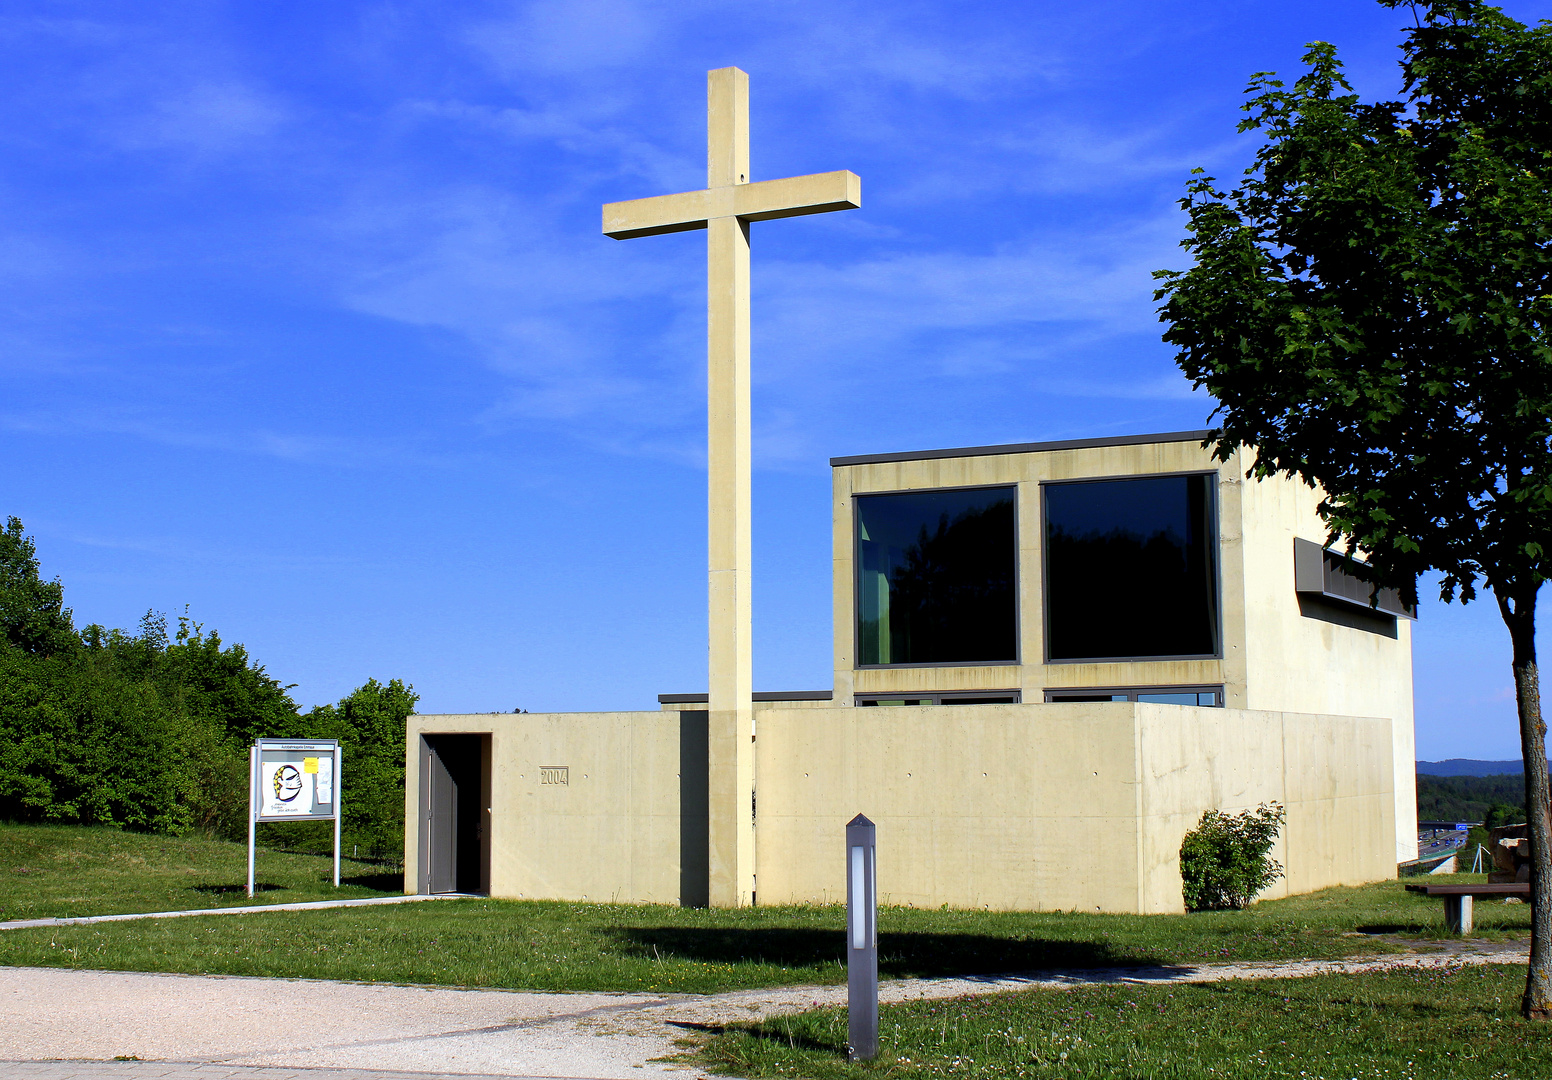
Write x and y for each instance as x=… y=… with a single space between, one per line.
x=1511 y=888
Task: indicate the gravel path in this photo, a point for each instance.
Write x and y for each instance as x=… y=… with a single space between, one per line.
x=58 y=1024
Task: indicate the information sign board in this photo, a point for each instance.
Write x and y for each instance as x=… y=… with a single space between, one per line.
x=296 y=779
x=293 y=780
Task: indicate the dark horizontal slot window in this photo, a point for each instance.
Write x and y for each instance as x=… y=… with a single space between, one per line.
x=1011 y=697
x=937 y=577
x=1132 y=568
x=1210 y=696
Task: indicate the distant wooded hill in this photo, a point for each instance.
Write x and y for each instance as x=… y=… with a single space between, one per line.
x=1469 y=767
x=1496 y=800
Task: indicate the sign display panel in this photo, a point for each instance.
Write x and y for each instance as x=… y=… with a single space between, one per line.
x=293 y=780
x=296 y=780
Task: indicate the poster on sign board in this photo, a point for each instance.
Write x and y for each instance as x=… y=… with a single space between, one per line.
x=324 y=789
x=295 y=779
x=286 y=788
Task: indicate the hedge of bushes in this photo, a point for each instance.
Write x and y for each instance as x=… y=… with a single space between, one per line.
x=150 y=731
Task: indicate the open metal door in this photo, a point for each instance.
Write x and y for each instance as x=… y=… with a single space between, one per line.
x=440 y=824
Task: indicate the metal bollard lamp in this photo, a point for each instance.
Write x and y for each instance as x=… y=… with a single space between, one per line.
x=861 y=940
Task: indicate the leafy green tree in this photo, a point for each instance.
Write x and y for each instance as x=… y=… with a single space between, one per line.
x=1502 y=814
x=1370 y=306
x=223 y=685
x=81 y=743
x=369 y=723
x=33 y=616
x=151 y=730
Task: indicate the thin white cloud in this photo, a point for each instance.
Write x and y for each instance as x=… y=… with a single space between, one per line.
x=607 y=344
x=570 y=36
x=208 y=116
x=137 y=423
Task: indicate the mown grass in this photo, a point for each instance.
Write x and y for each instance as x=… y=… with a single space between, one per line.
x=59 y=871
x=589 y=947
x=1461 y=1023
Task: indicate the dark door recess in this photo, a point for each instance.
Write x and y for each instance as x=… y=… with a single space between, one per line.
x=454 y=795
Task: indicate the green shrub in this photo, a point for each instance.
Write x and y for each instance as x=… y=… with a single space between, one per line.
x=150 y=731
x=1225 y=861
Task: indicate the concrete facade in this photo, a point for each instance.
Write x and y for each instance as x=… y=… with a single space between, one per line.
x=1280 y=652
x=1009 y=807
x=611 y=832
x=1026 y=806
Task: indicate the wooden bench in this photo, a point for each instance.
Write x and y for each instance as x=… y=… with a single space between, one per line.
x=1457 y=900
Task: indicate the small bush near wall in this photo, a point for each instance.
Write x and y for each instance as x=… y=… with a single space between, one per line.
x=1225 y=861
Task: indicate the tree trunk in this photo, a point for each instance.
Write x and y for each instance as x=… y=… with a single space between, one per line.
x=1518 y=607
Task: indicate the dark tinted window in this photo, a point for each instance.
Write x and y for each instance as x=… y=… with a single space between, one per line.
x=937 y=578
x=1161 y=695
x=1131 y=568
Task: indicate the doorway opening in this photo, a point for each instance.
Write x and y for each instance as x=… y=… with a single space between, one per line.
x=455 y=814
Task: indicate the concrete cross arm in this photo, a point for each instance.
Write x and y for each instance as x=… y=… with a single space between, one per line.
x=763 y=201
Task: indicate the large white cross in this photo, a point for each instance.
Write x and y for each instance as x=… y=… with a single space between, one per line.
x=724 y=209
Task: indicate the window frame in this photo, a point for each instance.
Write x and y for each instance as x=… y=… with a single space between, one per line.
x=1045 y=569
x=1133 y=691
x=944 y=697
x=856 y=579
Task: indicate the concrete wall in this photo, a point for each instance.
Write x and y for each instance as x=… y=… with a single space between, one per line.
x=1306 y=655
x=1278 y=653
x=613 y=832
x=1060 y=807
x=1023 y=807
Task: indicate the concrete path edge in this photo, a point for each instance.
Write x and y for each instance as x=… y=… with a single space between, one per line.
x=237 y=909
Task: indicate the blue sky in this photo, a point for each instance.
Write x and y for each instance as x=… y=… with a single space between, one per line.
x=306 y=321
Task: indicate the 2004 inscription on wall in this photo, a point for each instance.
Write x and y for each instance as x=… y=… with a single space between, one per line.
x=554 y=774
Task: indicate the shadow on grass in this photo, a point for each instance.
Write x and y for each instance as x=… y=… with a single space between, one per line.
x=768 y=1031
x=900 y=955
x=389 y=883
x=1397 y=928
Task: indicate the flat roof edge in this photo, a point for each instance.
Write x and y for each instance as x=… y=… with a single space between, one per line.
x=761 y=695
x=1024 y=448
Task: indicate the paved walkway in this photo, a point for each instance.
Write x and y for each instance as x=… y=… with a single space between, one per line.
x=172 y=1070
x=236 y=909
x=58 y=1024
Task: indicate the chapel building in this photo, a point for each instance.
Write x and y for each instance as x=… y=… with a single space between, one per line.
x=1047 y=655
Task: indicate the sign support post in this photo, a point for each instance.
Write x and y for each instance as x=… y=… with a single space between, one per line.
x=338 y=755
x=253 y=809
x=293 y=780
x=861 y=940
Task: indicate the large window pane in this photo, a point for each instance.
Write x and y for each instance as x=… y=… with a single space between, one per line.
x=937 y=577
x=1131 y=568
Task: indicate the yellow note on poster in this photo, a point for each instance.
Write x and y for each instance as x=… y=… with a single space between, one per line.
x=310 y=764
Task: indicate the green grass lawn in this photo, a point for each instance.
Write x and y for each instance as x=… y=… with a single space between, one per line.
x=1458 y=1024
x=561 y=946
x=60 y=871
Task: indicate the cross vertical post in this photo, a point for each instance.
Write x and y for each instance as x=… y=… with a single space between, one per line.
x=725 y=209
x=730 y=656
